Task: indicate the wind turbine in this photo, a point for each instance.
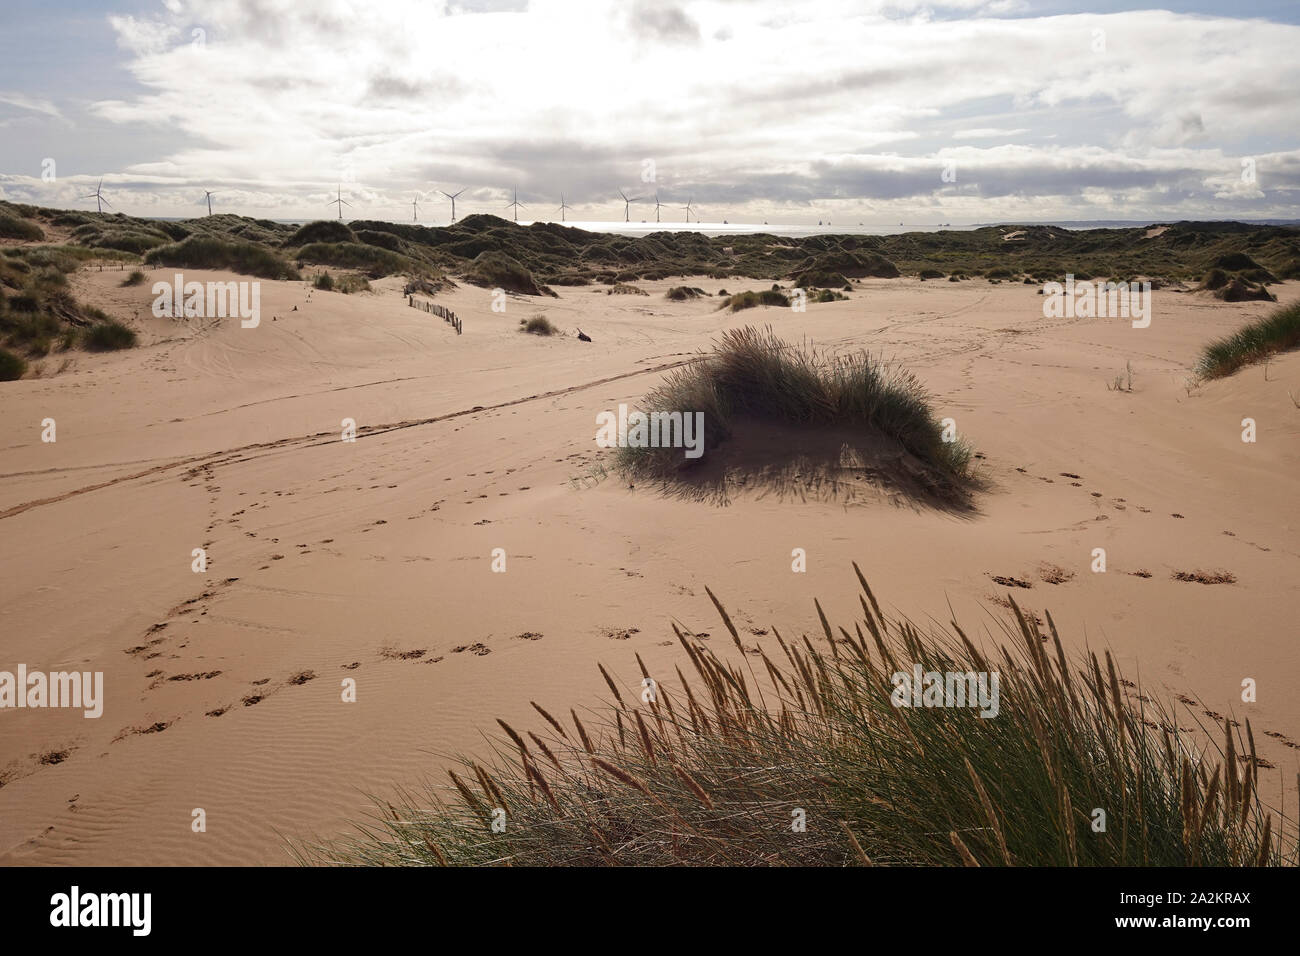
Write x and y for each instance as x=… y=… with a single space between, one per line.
x=208 y=194
x=627 y=205
x=516 y=204
x=656 y=206
x=452 y=197
x=98 y=196
x=415 y=209
x=340 y=202
x=688 y=211
x=563 y=206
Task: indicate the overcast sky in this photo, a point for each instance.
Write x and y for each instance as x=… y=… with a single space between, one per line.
x=876 y=111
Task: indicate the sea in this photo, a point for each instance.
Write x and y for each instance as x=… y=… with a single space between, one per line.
x=823 y=228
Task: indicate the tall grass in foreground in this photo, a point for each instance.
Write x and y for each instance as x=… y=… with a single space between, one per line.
x=715 y=771
x=1254 y=342
x=752 y=374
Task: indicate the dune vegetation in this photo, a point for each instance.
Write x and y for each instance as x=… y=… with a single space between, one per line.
x=542 y=253
x=206 y=252
x=1078 y=767
x=40 y=247
x=538 y=325
x=751 y=374
x=1254 y=342
x=497 y=270
x=751 y=300
x=12 y=366
x=38 y=312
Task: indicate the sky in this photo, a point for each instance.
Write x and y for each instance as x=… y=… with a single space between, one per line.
x=875 y=111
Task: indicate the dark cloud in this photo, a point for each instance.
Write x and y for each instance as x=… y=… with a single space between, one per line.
x=661 y=22
x=389 y=86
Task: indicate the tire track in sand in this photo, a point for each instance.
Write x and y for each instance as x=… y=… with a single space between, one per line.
x=238 y=454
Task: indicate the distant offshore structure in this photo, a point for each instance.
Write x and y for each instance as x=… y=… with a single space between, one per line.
x=691 y=214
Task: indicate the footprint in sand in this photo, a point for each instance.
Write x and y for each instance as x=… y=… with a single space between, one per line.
x=1206 y=577
x=1009 y=582
x=478 y=650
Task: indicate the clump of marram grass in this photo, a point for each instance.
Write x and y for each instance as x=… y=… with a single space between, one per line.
x=12 y=367
x=108 y=336
x=1276 y=332
x=137 y=277
x=538 y=325
x=749 y=300
x=751 y=374
x=209 y=252
x=714 y=772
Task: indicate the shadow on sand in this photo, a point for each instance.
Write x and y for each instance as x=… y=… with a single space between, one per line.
x=840 y=465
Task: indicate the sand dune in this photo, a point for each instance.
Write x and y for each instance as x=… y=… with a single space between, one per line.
x=372 y=560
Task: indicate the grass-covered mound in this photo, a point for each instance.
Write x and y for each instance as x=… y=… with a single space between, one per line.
x=108 y=336
x=684 y=293
x=496 y=270
x=538 y=325
x=323 y=230
x=753 y=376
x=14 y=227
x=829 y=269
x=38 y=312
x=751 y=300
x=372 y=260
x=206 y=252
x=716 y=769
x=1254 y=342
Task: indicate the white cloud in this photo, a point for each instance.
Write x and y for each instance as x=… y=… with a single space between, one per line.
x=989 y=132
x=763 y=106
x=25 y=102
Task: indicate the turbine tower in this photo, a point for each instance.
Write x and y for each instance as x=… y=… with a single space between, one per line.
x=452 y=197
x=627 y=205
x=98 y=196
x=208 y=194
x=516 y=204
x=563 y=206
x=340 y=202
x=657 y=206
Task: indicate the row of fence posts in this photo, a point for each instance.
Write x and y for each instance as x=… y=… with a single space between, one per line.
x=442 y=311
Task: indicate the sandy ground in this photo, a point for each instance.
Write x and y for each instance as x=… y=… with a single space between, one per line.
x=372 y=560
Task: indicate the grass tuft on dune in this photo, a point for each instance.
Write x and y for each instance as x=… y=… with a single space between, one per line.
x=538 y=325
x=206 y=252
x=1075 y=769
x=1254 y=342
x=752 y=374
x=751 y=300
